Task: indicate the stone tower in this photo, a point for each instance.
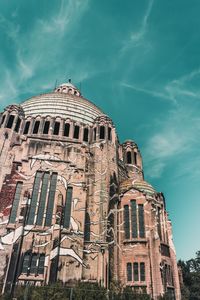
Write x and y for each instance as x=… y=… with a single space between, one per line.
x=73 y=201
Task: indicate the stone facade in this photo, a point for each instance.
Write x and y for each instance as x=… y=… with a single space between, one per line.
x=73 y=201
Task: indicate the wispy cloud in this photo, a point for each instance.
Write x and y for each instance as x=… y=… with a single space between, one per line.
x=157 y=94
x=135 y=38
x=46 y=47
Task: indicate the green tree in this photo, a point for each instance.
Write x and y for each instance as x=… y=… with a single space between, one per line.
x=190 y=288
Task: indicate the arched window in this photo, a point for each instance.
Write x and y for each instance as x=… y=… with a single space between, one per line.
x=109 y=134
x=56 y=128
x=95 y=133
x=66 y=129
x=102 y=132
x=85 y=134
x=26 y=128
x=36 y=127
x=10 y=121
x=87 y=227
x=46 y=127
x=76 y=132
x=128 y=157
x=17 y=125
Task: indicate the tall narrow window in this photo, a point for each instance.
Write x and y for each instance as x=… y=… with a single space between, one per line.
x=46 y=127
x=95 y=134
x=141 y=220
x=17 y=124
x=159 y=223
x=68 y=203
x=102 y=132
x=135 y=158
x=42 y=200
x=87 y=227
x=26 y=128
x=129 y=271
x=85 y=134
x=66 y=129
x=51 y=197
x=15 y=203
x=109 y=134
x=142 y=271
x=26 y=262
x=134 y=226
x=76 y=132
x=36 y=127
x=35 y=192
x=126 y=222
x=135 y=272
x=33 y=268
x=10 y=121
x=41 y=264
x=56 y=128
x=128 y=157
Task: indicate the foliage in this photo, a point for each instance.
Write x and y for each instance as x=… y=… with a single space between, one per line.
x=79 y=291
x=190 y=288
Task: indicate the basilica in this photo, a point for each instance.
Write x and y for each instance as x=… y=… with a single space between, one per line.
x=74 y=205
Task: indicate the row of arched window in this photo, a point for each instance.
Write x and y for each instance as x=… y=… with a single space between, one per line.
x=58 y=128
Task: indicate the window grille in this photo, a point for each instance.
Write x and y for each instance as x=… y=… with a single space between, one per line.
x=129 y=272
x=67 y=213
x=135 y=272
x=87 y=227
x=142 y=271
x=141 y=220
x=126 y=222
x=35 y=193
x=134 y=219
x=51 y=197
x=42 y=200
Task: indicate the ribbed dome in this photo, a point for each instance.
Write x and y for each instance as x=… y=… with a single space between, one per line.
x=140 y=185
x=65 y=103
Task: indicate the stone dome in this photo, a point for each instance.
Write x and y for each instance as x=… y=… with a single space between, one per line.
x=140 y=185
x=65 y=102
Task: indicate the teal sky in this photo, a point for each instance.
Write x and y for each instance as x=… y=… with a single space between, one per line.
x=139 y=60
